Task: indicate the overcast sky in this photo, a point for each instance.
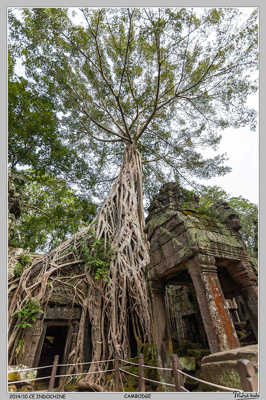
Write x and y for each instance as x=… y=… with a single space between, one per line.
x=242 y=148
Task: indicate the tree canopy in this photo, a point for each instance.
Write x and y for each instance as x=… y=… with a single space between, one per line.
x=43 y=208
x=35 y=138
x=44 y=211
x=167 y=79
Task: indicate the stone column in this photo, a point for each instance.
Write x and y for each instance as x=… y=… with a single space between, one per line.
x=244 y=276
x=33 y=343
x=216 y=317
x=160 y=323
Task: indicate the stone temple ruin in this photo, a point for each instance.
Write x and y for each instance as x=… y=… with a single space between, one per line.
x=197 y=256
x=55 y=332
x=201 y=281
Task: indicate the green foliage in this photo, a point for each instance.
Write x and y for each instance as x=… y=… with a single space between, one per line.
x=97 y=256
x=50 y=212
x=24 y=261
x=43 y=208
x=20 y=347
x=168 y=79
x=247 y=211
x=28 y=314
x=35 y=136
x=188 y=195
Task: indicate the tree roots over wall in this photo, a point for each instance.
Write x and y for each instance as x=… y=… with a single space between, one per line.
x=108 y=296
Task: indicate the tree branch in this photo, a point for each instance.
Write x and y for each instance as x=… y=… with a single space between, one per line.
x=127 y=49
x=157 y=40
x=153 y=160
x=99 y=139
x=200 y=80
x=96 y=122
x=106 y=80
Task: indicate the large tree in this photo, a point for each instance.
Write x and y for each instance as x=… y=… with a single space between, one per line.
x=142 y=90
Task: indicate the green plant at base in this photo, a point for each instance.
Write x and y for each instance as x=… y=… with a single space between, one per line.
x=24 y=261
x=28 y=314
x=20 y=347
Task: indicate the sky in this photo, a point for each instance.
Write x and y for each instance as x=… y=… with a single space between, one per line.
x=242 y=148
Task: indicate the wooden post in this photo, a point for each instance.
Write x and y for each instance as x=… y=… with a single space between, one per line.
x=178 y=379
x=141 y=373
x=117 y=375
x=52 y=377
x=249 y=380
x=175 y=372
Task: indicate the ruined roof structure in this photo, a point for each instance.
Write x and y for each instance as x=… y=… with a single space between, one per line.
x=203 y=250
x=216 y=233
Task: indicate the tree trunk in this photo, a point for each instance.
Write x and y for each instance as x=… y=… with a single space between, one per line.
x=121 y=223
x=115 y=308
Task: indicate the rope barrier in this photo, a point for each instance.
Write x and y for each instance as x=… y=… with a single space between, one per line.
x=110 y=370
x=60 y=365
x=59 y=376
x=90 y=362
x=161 y=383
x=29 y=369
x=85 y=373
x=210 y=383
x=128 y=362
x=146 y=379
x=127 y=372
x=165 y=369
x=147 y=366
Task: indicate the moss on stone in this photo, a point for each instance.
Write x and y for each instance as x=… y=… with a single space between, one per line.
x=131 y=383
x=71 y=388
x=12 y=388
x=158 y=220
x=188 y=363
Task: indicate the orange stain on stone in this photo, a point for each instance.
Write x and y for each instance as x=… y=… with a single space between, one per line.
x=224 y=317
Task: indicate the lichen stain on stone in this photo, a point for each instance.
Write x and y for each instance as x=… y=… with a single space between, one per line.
x=224 y=317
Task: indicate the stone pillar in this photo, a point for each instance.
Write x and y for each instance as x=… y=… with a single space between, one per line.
x=160 y=323
x=33 y=343
x=216 y=317
x=243 y=274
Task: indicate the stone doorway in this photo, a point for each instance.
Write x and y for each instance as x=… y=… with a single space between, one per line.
x=133 y=345
x=55 y=342
x=87 y=346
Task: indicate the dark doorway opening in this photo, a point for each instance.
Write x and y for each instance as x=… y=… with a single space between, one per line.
x=87 y=343
x=131 y=335
x=191 y=328
x=132 y=340
x=53 y=344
